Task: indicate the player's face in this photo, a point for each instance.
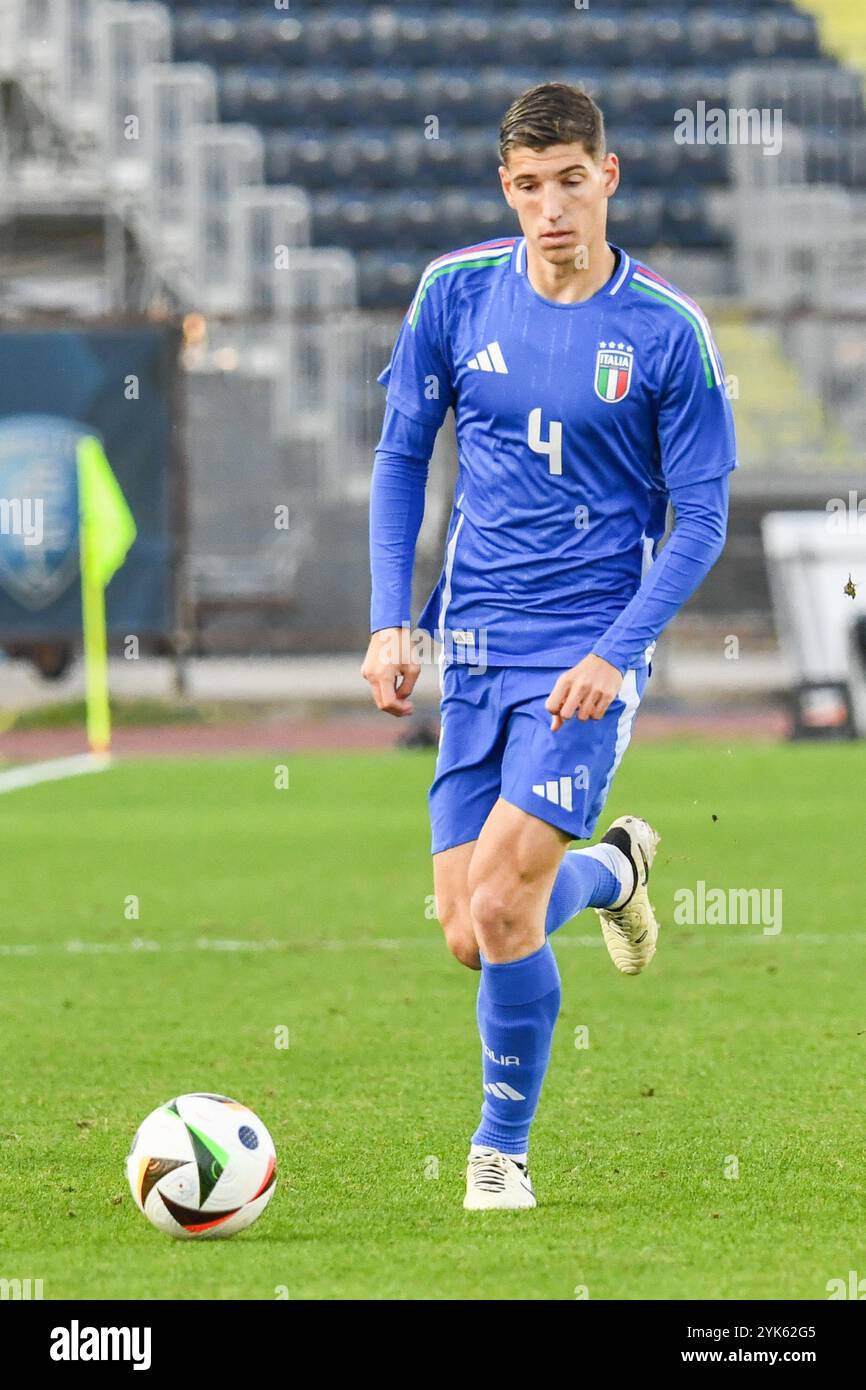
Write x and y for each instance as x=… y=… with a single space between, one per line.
x=560 y=196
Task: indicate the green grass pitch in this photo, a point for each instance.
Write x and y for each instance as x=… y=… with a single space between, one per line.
x=736 y=1052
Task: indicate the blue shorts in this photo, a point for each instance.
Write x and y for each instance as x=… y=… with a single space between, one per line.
x=496 y=741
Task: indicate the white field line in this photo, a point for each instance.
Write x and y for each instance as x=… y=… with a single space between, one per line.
x=140 y=946
x=55 y=770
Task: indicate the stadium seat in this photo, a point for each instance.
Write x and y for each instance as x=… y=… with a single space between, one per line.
x=214 y=39
x=260 y=98
x=339 y=41
x=387 y=114
x=635 y=219
x=660 y=42
x=685 y=222
x=389 y=281
x=403 y=41
x=839 y=157
x=630 y=99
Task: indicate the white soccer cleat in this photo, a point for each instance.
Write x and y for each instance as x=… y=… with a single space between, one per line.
x=631 y=931
x=496 y=1182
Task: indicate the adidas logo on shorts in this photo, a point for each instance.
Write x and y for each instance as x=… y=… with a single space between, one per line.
x=558 y=793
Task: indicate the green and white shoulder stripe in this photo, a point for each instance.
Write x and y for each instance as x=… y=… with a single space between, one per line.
x=646 y=282
x=487 y=253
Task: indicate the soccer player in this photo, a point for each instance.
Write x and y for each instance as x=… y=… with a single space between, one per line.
x=587 y=392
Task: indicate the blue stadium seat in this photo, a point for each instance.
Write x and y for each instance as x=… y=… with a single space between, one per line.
x=389 y=281
x=260 y=98
x=635 y=218
x=639 y=157
x=497 y=8
x=531 y=40
x=349 y=95
x=839 y=157
x=592 y=42
x=793 y=36
x=405 y=43
x=208 y=39
x=628 y=99
x=700 y=166
x=716 y=40
x=383 y=38
x=307 y=160
x=684 y=90
x=340 y=41
x=400 y=159
x=656 y=41
x=685 y=222
x=352 y=222
x=466 y=218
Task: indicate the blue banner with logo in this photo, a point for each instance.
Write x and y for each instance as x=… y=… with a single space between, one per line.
x=55 y=388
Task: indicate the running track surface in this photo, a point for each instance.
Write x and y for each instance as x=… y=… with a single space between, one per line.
x=344 y=733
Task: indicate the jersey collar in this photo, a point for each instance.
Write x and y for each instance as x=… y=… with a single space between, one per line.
x=614 y=284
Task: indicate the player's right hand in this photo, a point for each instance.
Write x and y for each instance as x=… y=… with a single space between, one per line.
x=390 y=671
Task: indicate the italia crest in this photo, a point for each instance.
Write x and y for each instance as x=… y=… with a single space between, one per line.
x=613 y=368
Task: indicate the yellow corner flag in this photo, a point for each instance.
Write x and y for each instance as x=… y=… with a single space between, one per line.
x=106 y=531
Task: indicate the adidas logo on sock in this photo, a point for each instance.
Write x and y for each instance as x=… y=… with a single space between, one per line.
x=502 y=1090
x=489 y=359
x=559 y=793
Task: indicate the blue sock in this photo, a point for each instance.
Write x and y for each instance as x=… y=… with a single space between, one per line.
x=518 y=1004
x=582 y=881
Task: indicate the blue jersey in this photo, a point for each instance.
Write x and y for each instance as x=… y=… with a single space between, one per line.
x=573 y=422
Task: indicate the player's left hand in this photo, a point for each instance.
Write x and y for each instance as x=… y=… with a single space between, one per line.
x=586 y=690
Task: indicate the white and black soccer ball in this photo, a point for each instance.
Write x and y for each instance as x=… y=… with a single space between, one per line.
x=202 y=1166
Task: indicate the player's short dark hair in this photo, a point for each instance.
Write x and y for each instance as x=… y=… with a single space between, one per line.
x=554 y=113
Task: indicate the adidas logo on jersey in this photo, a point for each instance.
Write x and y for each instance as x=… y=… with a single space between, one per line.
x=489 y=359
x=559 y=793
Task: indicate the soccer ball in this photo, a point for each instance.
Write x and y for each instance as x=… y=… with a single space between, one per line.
x=202 y=1166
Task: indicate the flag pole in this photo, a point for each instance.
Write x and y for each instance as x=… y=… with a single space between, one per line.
x=95 y=649
x=93 y=618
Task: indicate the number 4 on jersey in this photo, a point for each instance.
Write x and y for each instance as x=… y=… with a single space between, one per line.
x=552 y=447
